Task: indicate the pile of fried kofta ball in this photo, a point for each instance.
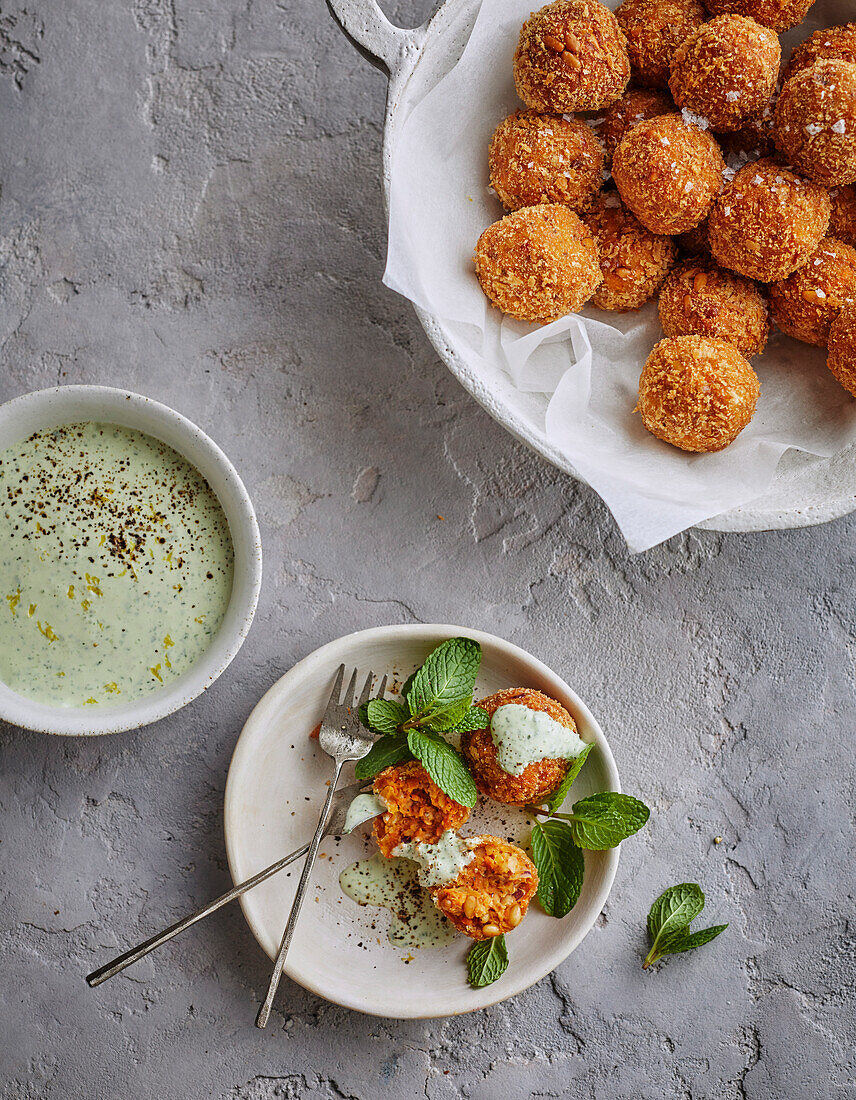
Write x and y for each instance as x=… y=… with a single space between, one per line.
x=699 y=172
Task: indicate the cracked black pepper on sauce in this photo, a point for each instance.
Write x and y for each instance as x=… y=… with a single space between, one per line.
x=116 y=563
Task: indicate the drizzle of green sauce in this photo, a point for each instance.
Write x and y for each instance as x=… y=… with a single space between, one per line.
x=116 y=563
x=394 y=885
x=524 y=736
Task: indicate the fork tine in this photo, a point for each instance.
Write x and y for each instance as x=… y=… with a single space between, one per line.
x=381 y=691
x=333 y=702
x=364 y=695
x=350 y=691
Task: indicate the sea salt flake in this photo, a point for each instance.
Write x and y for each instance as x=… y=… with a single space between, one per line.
x=839 y=127
x=692 y=119
x=813 y=129
x=732 y=97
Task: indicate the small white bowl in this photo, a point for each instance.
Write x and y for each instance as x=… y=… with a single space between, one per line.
x=21 y=417
x=274 y=793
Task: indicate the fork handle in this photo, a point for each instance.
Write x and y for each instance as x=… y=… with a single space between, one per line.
x=111 y=969
x=314 y=845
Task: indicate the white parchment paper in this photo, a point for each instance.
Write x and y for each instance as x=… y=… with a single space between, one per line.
x=589 y=365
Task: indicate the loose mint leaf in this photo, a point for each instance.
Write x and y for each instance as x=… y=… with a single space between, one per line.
x=474 y=719
x=487 y=961
x=695 y=939
x=675 y=909
x=444 y=764
x=603 y=820
x=443 y=687
x=669 y=922
x=383 y=754
x=560 y=867
x=385 y=716
x=561 y=792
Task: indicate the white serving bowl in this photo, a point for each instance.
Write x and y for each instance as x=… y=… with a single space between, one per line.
x=21 y=417
x=274 y=793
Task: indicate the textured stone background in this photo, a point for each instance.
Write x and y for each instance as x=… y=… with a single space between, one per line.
x=191 y=208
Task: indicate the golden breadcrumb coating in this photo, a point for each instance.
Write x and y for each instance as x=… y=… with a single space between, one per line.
x=538 y=263
x=779 y=15
x=806 y=303
x=768 y=221
x=754 y=139
x=416 y=807
x=697 y=393
x=842 y=348
x=537 y=780
x=835 y=43
x=815 y=124
x=634 y=107
x=669 y=173
x=491 y=894
x=536 y=158
x=571 y=57
x=696 y=241
x=634 y=261
x=726 y=71
x=700 y=298
x=842 y=225
x=654 y=29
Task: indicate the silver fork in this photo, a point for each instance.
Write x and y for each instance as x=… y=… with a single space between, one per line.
x=343 y=738
x=335 y=827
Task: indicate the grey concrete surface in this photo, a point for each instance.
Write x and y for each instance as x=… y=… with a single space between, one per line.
x=191 y=208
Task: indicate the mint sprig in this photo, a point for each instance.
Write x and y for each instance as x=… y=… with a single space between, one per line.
x=487 y=961
x=603 y=820
x=560 y=867
x=438 y=699
x=669 y=922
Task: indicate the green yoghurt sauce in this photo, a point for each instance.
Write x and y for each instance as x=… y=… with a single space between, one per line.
x=116 y=565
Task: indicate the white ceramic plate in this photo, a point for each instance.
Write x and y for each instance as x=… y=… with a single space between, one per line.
x=274 y=793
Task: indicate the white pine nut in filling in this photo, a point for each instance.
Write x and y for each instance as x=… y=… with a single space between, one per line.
x=363 y=808
x=523 y=736
x=439 y=863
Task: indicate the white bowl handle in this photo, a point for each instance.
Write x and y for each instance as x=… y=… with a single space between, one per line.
x=381 y=43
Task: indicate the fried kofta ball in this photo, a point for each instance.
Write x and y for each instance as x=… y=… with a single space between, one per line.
x=634 y=107
x=768 y=221
x=753 y=140
x=634 y=261
x=833 y=43
x=807 y=302
x=726 y=71
x=668 y=173
x=815 y=124
x=842 y=348
x=536 y=158
x=697 y=393
x=695 y=242
x=538 y=263
x=416 y=808
x=842 y=224
x=537 y=780
x=702 y=299
x=491 y=894
x=654 y=29
x=571 y=57
x=778 y=15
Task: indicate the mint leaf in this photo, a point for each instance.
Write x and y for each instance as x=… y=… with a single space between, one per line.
x=561 y=792
x=444 y=764
x=695 y=939
x=560 y=867
x=487 y=961
x=675 y=909
x=385 y=716
x=443 y=687
x=669 y=922
x=383 y=754
x=474 y=719
x=603 y=820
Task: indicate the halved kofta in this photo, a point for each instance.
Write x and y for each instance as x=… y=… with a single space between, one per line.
x=416 y=808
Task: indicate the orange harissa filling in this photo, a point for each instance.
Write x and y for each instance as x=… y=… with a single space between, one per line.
x=416 y=808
